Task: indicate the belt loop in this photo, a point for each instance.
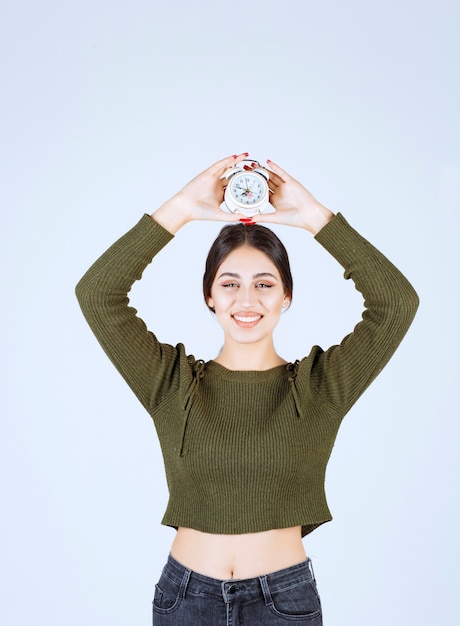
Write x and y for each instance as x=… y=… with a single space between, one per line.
x=310 y=565
x=184 y=583
x=266 y=590
x=224 y=592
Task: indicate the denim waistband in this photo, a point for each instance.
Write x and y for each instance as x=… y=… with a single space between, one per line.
x=200 y=584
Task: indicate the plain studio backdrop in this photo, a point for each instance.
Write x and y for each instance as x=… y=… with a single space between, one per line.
x=107 y=109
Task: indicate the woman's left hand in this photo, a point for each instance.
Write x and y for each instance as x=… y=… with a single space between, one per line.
x=200 y=199
x=294 y=204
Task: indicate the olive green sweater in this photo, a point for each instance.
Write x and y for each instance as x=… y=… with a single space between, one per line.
x=246 y=451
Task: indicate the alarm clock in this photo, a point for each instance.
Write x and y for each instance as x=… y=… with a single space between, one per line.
x=247 y=190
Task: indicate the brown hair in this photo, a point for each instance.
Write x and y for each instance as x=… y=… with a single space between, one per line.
x=234 y=236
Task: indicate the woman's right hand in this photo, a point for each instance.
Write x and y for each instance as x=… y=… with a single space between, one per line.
x=294 y=204
x=200 y=199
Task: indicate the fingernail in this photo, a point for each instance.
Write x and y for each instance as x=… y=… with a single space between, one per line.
x=247 y=221
x=246 y=167
x=234 y=156
x=246 y=153
x=268 y=161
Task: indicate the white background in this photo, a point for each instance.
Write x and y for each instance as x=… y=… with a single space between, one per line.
x=107 y=108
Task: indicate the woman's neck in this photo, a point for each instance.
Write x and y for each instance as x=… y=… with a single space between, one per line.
x=248 y=357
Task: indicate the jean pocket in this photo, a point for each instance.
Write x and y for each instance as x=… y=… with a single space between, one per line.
x=299 y=601
x=167 y=595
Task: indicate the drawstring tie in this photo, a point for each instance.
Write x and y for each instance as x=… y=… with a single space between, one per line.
x=293 y=368
x=197 y=375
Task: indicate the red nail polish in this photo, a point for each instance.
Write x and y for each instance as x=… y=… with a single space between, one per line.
x=247 y=221
x=268 y=161
x=246 y=153
x=246 y=167
x=234 y=156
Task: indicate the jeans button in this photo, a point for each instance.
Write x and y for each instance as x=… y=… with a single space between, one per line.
x=232 y=589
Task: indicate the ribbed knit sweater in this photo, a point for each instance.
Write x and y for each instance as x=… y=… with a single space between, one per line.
x=246 y=451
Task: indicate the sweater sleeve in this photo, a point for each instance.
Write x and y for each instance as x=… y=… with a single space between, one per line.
x=146 y=364
x=342 y=373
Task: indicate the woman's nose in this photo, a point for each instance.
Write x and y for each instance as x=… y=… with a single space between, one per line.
x=246 y=297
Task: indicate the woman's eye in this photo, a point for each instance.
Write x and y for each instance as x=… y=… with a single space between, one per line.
x=263 y=285
x=230 y=285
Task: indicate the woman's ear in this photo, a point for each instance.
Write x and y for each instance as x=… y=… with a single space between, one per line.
x=210 y=303
x=286 y=303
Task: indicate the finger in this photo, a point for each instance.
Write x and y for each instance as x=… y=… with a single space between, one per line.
x=268 y=218
x=269 y=173
x=220 y=166
x=217 y=215
x=279 y=171
x=275 y=179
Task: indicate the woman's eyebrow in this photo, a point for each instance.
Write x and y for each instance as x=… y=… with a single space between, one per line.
x=258 y=275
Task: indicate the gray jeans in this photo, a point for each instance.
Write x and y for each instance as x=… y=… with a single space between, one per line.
x=185 y=598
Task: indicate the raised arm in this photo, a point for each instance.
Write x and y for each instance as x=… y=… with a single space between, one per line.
x=343 y=372
x=103 y=291
x=150 y=367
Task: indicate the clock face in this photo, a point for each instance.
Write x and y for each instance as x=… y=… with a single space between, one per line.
x=248 y=189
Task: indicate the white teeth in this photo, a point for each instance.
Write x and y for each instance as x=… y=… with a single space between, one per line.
x=247 y=319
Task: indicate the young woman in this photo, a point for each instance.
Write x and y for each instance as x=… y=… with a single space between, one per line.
x=246 y=436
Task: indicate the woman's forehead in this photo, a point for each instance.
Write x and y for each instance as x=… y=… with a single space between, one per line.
x=249 y=261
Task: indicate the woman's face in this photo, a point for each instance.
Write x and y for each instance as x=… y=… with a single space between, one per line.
x=248 y=295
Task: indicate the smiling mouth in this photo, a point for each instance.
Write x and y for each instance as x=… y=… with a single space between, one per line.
x=247 y=319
